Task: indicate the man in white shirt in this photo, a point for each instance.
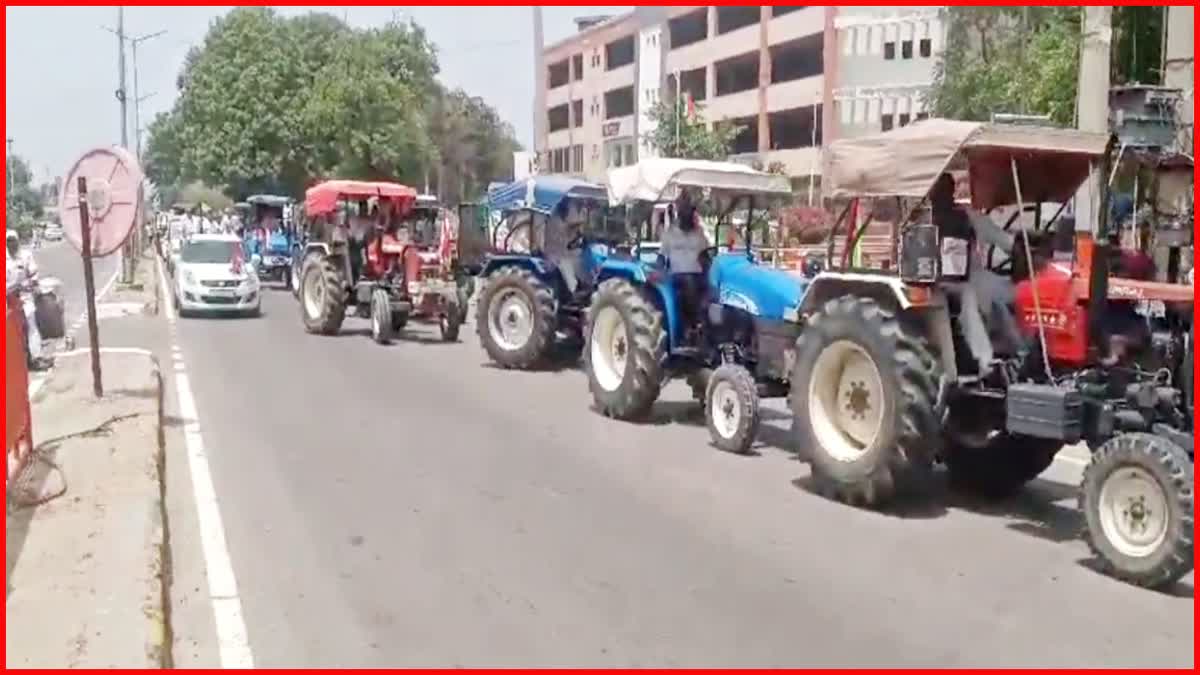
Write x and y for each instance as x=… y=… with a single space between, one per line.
x=682 y=244
x=561 y=228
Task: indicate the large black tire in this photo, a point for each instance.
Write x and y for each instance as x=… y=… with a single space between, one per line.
x=450 y=322
x=909 y=379
x=645 y=350
x=539 y=297
x=323 y=316
x=1152 y=458
x=297 y=272
x=1000 y=467
x=382 y=322
x=1187 y=379
x=731 y=409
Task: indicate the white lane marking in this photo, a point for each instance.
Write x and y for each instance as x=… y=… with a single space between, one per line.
x=233 y=643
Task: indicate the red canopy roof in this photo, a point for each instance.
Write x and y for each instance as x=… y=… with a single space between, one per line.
x=322 y=198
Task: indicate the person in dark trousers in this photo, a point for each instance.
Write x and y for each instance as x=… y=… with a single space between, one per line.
x=682 y=245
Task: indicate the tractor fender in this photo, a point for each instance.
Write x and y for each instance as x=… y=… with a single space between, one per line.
x=662 y=293
x=538 y=266
x=317 y=246
x=925 y=305
x=889 y=292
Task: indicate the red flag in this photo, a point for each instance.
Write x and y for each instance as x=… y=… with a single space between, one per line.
x=691 y=106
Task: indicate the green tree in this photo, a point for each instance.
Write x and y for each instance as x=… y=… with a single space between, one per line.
x=271 y=104
x=680 y=134
x=25 y=205
x=1008 y=60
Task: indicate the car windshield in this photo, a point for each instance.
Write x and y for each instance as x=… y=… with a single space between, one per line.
x=210 y=252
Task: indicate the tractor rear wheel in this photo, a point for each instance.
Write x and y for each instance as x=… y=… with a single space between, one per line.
x=323 y=296
x=1137 y=499
x=382 y=322
x=516 y=318
x=296 y=271
x=626 y=350
x=865 y=398
x=1000 y=466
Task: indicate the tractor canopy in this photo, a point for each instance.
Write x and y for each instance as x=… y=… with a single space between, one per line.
x=659 y=179
x=543 y=194
x=323 y=198
x=1052 y=163
x=271 y=201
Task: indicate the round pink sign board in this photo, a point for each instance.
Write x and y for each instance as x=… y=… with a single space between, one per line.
x=114 y=198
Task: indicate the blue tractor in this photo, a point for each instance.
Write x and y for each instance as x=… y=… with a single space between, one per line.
x=738 y=350
x=531 y=300
x=269 y=237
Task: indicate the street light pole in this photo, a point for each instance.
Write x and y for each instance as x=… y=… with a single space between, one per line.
x=137 y=100
x=121 y=76
x=8 y=171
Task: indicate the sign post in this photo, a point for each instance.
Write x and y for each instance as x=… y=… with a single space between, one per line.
x=89 y=287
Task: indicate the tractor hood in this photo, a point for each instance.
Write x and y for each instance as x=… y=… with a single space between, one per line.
x=764 y=292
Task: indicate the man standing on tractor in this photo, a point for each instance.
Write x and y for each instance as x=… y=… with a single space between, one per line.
x=682 y=244
x=561 y=229
x=984 y=294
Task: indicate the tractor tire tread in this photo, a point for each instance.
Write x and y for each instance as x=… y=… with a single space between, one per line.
x=545 y=319
x=636 y=396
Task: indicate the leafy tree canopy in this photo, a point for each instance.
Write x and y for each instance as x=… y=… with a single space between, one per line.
x=678 y=133
x=1025 y=60
x=272 y=104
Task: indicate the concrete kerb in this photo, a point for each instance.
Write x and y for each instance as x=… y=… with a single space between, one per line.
x=82 y=571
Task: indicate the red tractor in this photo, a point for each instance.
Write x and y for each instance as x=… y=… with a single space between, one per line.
x=895 y=372
x=362 y=251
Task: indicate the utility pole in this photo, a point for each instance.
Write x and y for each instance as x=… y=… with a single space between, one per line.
x=539 y=95
x=8 y=171
x=137 y=100
x=1095 y=58
x=121 y=97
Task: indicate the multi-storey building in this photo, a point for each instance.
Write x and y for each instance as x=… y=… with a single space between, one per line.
x=772 y=70
x=760 y=67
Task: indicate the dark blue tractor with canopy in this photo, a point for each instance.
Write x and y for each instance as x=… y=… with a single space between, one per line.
x=538 y=275
x=741 y=344
x=269 y=237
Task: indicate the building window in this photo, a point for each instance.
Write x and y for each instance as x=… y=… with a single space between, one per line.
x=926 y=48
x=798 y=59
x=689 y=28
x=577 y=158
x=780 y=10
x=739 y=73
x=738 y=16
x=795 y=128
x=691 y=82
x=558 y=117
x=906 y=49
x=558 y=74
x=905 y=118
x=618 y=103
x=619 y=53
x=746 y=140
x=887 y=122
x=921 y=116
x=577 y=67
x=889 y=51
x=577 y=113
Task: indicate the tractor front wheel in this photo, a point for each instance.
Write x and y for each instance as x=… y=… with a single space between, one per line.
x=516 y=318
x=865 y=397
x=382 y=322
x=1137 y=499
x=323 y=296
x=626 y=350
x=731 y=404
x=450 y=322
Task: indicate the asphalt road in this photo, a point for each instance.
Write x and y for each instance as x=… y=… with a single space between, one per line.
x=409 y=505
x=58 y=259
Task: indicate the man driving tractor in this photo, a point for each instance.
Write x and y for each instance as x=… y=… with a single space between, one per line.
x=984 y=294
x=682 y=244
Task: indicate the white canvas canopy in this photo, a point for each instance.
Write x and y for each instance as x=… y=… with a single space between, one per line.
x=1052 y=163
x=658 y=179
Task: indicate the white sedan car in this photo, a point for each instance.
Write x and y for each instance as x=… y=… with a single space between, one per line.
x=213 y=276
